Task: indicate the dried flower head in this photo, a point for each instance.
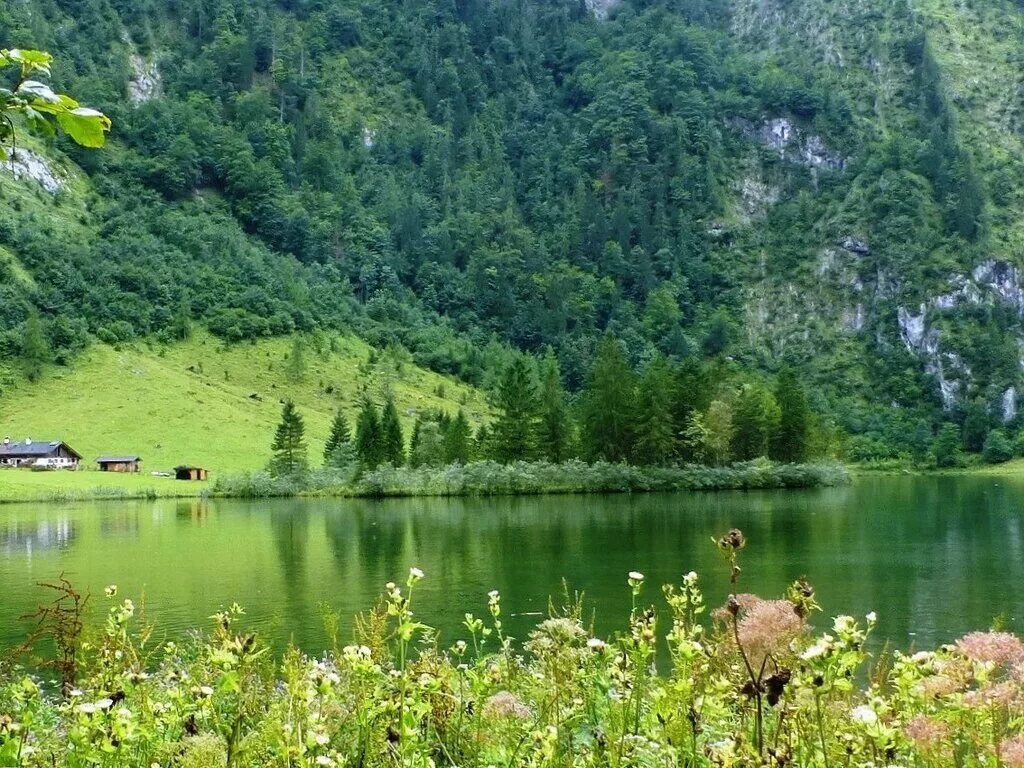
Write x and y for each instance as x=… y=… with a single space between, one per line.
x=997 y=648
x=766 y=628
x=1012 y=752
x=926 y=732
x=506 y=705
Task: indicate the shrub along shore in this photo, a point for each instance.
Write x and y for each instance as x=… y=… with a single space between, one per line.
x=753 y=683
x=489 y=478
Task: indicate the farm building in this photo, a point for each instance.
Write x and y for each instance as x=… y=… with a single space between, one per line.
x=119 y=463
x=189 y=473
x=48 y=454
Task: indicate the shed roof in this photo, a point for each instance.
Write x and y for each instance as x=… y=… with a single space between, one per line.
x=35 y=448
x=117 y=459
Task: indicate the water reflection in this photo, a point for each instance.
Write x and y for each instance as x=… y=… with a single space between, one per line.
x=933 y=556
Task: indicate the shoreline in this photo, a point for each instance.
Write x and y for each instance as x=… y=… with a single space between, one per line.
x=478 y=479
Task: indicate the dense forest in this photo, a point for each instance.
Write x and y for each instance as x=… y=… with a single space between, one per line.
x=509 y=188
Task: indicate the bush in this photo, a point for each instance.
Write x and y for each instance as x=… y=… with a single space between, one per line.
x=997 y=448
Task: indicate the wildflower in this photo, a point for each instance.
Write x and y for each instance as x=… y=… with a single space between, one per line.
x=864 y=714
x=105 y=703
x=205 y=691
x=926 y=732
x=1003 y=694
x=871 y=617
x=996 y=648
x=87 y=708
x=1011 y=751
x=110 y=590
x=322 y=739
x=324 y=760
x=596 y=644
x=767 y=628
x=506 y=705
x=821 y=647
x=636 y=576
x=415 y=574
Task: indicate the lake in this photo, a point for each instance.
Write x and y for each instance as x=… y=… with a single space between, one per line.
x=933 y=556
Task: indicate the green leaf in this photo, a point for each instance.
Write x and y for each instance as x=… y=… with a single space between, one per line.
x=39 y=90
x=85 y=126
x=30 y=60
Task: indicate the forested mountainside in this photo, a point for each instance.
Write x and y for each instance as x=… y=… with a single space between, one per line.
x=832 y=185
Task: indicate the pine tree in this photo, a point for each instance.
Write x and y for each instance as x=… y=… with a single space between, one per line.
x=609 y=404
x=793 y=435
x=181 y=323
x=657 y=434
x=975 y=428
x=392 y=442
x=340 y=436
x=369 y=445
x=514 y=435
x=458 y=439
x=718 y=432
x=289 y=444
x=35 y=349
x=430 y=447
x=296 y=360
x=755 y=422
x=554 y=432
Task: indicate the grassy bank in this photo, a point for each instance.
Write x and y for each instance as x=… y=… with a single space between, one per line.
x=488 y=478
x=19 y=485
x=1012 y=468
x=211 y=404
x=752 y=683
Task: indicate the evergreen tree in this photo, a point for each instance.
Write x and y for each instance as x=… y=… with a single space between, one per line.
x=609 y=402
x=181 y=323
x=289 y=444
x=792 y=438
x=392 y=442
x=656 y=432
x=554 y=432
x=976 y=424
x=339 y=437
x=692 y=393
x=458 y=439
x=35 y=349
x=720 y=333
x=946 y=448
x=719 y=430
x=429 y=450
x=296 y=360
x=514 y=437
x=755 y=422
x=369 y=442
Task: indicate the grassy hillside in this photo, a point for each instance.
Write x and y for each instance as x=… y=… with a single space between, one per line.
x=212 y=404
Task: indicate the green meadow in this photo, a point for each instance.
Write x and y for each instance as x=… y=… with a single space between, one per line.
x=206 y=403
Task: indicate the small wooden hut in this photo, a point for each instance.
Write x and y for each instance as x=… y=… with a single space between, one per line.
x=186 y=472
x=119 y=463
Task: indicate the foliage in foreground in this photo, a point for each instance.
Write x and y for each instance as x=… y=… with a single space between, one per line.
x=489 y=478
x=757 y=687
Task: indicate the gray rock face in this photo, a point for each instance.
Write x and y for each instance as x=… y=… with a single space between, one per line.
x=600 y=8
x=145 y=83
x=26 y=164
x=791 y=142
x=1009 y=405
x=855 y=245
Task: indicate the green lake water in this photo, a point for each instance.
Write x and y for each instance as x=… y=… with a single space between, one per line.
x=933 y=556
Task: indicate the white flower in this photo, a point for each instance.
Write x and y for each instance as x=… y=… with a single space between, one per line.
x=105 y=703
x=864 y=714
x=493 y=594
x=324 y=760
x=872 y=617
x=110 y=590
x=415 y=573
x=322 y=739
x=87 y=708
x=75 y=692
x=820 y=648
x=596 y=643
x=206 y=690
x=636 y=576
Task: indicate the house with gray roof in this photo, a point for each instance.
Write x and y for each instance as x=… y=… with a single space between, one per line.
x=50 y=454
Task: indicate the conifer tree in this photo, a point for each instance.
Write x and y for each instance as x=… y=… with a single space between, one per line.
x=609 y=404
x=35 y=348
x=717 y=426
x=289 y=444
x=296 y=360
x=429 y=450
x=458 y=438
x=554 y=433
x=514 y=435
x=793 y=435
x=656 y=431
x=755 y=422
x=339 y=437
x=392 y=442
x=369 y=445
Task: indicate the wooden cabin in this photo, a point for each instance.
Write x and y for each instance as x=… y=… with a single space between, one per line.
x=189 y=473
x=119 y=463
x=41 y=454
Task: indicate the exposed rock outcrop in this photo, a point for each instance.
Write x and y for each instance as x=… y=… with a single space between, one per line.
x=26 y=164
x=146 y=82
x=600 y=8
x=791 y=142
